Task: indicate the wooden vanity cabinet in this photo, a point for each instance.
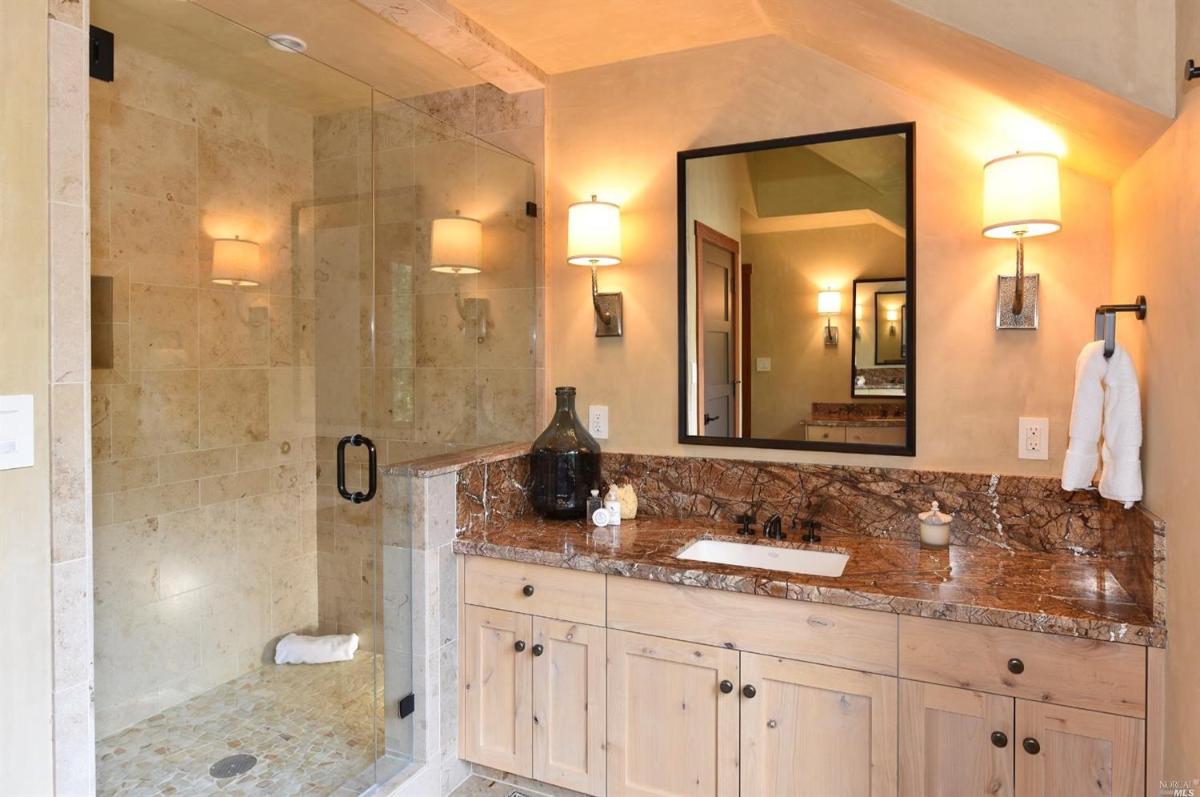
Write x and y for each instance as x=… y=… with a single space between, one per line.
x=496 y=680
x=704 y=693
x=955 y=742
x=810 y=730
x=1064 y=750
x=532 y=697
x=672 y=718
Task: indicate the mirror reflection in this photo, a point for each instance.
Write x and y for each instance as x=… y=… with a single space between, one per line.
x=795 y=275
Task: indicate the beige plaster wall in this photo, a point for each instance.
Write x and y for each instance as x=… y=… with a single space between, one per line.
x=1117 y=46
x=1155 y=210
x=790 y=269
x=26 y=752
x=615 y=129
x=203 y=429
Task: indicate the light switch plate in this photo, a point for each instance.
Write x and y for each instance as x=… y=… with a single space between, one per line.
x=1033 y=438
x=16 y=432
x=762 y=364
x=598 y=421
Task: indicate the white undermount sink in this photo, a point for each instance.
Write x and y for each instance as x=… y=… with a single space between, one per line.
x=767 y=557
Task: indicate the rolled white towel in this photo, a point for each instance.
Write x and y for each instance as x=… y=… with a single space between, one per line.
x=299 y=649
x=1121 y=451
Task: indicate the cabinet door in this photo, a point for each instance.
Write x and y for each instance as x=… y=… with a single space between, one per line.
x=947 y=747
x=568 y=705
x=811 y=729
x=496 y=726
x=671 y=729
x=1077 y=752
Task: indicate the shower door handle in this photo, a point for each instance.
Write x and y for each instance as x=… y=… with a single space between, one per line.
x=372 y=477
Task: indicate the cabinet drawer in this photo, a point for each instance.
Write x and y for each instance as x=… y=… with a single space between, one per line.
x=876 y=435
x=553 y=592
x=854 y=638
x=1104 y=676
x=827 y=434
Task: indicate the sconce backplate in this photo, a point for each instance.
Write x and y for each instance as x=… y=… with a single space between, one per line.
x=1005 y=319
x=609 y=303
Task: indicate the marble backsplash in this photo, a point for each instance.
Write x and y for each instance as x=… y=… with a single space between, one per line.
x=1018 y=513
x=846 y=411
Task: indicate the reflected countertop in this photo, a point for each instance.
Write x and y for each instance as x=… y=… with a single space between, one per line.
x=1048 y=592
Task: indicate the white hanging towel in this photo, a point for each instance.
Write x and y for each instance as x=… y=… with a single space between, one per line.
x=298 y=649
x=1106 y=426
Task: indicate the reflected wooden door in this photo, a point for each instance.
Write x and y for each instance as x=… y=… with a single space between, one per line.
x=717 y=350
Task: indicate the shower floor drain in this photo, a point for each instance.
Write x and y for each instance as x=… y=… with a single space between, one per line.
x=232 y=765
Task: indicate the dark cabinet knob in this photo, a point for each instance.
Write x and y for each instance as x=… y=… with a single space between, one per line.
x=1000 y=738
x=1016 y=666
x=538 y=650
x=1031 y=745
x=726 y=687
x=520 y=646
x=749 y=691
x=527 y=590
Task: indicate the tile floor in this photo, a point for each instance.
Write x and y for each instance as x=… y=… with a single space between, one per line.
x=310 y=726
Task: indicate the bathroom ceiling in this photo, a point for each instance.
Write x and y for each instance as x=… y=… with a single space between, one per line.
x=340 y=33
x=347 y=36
x=574 y=34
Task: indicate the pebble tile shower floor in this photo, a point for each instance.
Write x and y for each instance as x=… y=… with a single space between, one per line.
x=308 y=725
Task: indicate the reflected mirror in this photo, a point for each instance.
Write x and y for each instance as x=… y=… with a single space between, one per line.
x=796 y=270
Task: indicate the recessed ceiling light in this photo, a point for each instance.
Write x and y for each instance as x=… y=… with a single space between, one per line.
x=287 y=43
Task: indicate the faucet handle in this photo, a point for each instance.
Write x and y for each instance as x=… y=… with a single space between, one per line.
x=745 y=521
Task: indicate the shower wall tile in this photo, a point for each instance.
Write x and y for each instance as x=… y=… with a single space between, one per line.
x=445 y=404
x=162 y=327
x=155 y=415
x=152 y=156
x=234 y=328
x=155 y=239
x=71 y=444
x=233 y=407
x=188 y=465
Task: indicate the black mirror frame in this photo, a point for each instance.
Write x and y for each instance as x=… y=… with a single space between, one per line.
x=909 y=449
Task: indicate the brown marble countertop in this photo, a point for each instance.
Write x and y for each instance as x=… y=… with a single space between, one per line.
x=857 y=422
x=1047 y=592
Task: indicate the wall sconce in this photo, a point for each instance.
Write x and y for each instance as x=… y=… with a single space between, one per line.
x=236 y=262
x=594 y=239
x=892 y=317
x=858 y=314
x=829 y=304
x=1020 y=200
x=456 y=247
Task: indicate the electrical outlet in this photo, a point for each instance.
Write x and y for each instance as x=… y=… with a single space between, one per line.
x=1033 y=438
x=598 y=421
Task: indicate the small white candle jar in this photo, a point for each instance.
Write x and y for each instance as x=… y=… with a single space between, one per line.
x=935 y=527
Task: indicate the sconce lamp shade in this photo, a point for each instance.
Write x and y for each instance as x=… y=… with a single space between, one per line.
x=594 y=233
x=829 y=302
x=235 y=262
x=893 y=315
x=1021 y=196
x=456 y=244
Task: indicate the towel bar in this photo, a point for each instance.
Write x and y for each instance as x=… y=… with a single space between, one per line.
x=1106 y=321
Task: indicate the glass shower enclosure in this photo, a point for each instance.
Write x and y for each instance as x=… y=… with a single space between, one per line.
x=265 y=311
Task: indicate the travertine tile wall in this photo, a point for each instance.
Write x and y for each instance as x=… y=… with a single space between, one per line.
x=203 y=431
x=70 y=479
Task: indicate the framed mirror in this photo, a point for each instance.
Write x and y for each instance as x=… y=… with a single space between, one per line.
x=796 y=301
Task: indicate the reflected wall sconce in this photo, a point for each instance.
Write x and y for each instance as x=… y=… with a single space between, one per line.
x=829 y=304
x=594 y=239
x=1020 y=200
x=237 y=262
x=456 y=247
